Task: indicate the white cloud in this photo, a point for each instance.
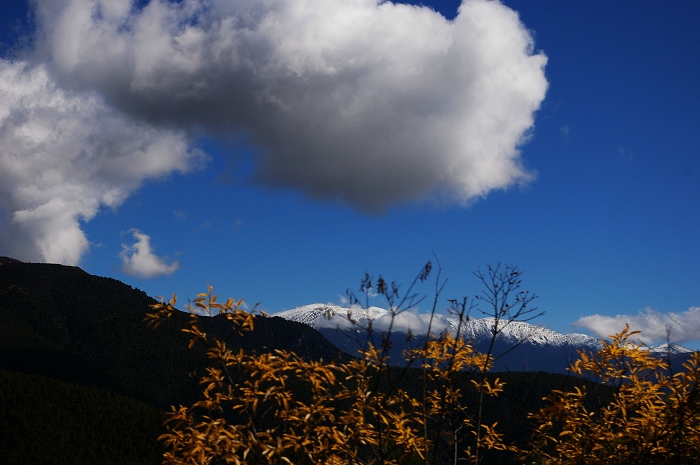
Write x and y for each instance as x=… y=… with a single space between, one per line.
x=408 y=322
x=337 y=321
x=364 y=101
x=367 y=102
x=139 y=260
x=63 y=155
x=655 y=326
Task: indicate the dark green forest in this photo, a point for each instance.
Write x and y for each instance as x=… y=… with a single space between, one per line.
x=44 y=420
x=83 y=380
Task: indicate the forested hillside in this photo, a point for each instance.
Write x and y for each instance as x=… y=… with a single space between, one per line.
x=47 y=421
x=63 y=322
x=83 y=377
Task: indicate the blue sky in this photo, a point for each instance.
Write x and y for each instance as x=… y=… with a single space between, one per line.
x=410 y=135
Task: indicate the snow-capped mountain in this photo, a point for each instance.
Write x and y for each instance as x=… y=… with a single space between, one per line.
x=320 y=316
x=670 y=348
x=536 y=348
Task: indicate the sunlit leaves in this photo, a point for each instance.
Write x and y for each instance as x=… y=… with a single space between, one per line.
x=653 y=417
x=277 y=407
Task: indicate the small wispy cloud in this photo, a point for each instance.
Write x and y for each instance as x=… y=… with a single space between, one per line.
x=408 y=322
x=624 y=153
x=564 y=130
x=655 y=326
x=338 y=321
x=140 y=260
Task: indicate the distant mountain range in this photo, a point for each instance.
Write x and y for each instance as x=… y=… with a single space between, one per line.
x=98 y=323
x=519 y=346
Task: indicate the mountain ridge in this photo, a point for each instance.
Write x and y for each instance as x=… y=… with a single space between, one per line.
x=539 y=348
x=58 y=307
x=94 y=330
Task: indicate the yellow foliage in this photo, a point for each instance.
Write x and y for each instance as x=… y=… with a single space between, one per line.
x=276 y=408
x=653 y=416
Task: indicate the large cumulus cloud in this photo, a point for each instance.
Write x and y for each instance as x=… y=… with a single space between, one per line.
x=373 y=103
x=62 y=157
x=367 y=102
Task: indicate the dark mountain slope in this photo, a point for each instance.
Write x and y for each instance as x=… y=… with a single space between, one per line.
x=62 y=322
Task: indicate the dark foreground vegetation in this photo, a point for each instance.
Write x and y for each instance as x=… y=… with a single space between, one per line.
x=44 y=420
x=84 y=380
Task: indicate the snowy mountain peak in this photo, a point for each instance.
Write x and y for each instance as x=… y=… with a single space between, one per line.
x=328 y=316
x=670 y=348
